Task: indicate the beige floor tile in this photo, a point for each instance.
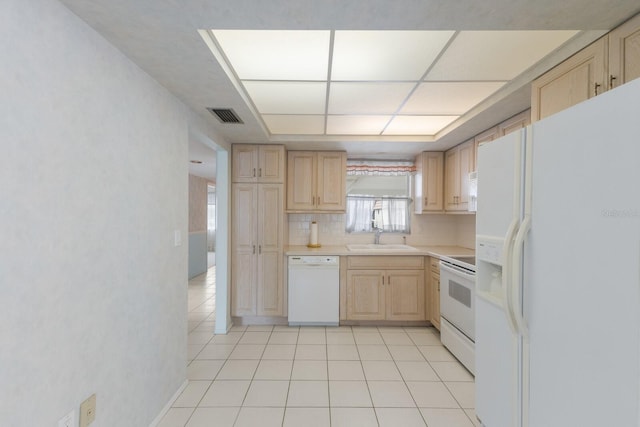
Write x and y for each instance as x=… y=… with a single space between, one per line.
x=247 y=351
x=471 y=413
x=191 y=395
x=176 y=417
x=225 y=393
x=255 y=338
x=436 y=353
x=345 y=370
x=405 y=353
x=340 y=338
x=353 y=417
x=263 y=417
x=283 y=338
x=311 y=352
x=343 y=394
x=342 y=352
x=374 y=352
x=339 y=329
x=230 y=338
x=424 y=339
x=267 y=393
x=204 y=369
x=464 y=393
x=308 y=394
x=307 y=417
x=368 y=338
x=193 y=350
x=238 y=370
x=416 y=371
x=451 y=371
x=391 y=329
x=309 y=370
x=286 y=328
x=215 y=351
x=390 y=394
x=312 y=338
x=260 y=328
x=441 y=417
x=431 y=394
x=213 y=417
x=274 y=370
x=396 y=338
x=381 y=370
x=405 y=417
x=279 y=352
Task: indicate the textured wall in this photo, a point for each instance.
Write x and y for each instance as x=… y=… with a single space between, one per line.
x=93 y=184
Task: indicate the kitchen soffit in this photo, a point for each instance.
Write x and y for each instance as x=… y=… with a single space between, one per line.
x=384 y=83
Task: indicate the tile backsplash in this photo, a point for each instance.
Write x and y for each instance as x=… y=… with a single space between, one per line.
x=432 y=229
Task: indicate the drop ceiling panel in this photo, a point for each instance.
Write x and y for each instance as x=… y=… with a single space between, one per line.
x=288 y=97
x=286 y=124
x=385 y=55
x=367 y=98
x=495 y=55
x=356 y=125
x=418 y=125
x=276 y=55
x=448 y=98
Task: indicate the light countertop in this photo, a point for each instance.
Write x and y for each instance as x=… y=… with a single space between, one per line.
x=341 y=250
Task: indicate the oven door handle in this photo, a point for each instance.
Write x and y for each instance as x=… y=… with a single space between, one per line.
x=453 y=270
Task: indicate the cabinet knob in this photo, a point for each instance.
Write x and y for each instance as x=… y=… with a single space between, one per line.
x=260 y=172
x=254 y=249
x=254 y=172
x=611 y=80
x=596 y=86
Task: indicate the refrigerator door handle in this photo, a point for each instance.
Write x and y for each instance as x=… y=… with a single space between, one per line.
x=506 y=276
x=516 y=271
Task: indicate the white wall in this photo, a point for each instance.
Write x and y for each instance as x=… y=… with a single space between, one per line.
x=93 y=183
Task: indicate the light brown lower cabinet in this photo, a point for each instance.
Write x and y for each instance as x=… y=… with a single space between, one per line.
x=434 y=291
x=396 y=292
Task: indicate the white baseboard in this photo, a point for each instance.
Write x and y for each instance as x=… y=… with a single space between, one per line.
x=166 y=408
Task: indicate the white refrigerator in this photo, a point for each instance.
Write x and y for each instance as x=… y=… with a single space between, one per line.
x=558 y=269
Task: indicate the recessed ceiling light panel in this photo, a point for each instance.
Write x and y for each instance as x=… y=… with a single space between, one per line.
x=448 y=98
x=287 y=97
x=276 y=55
x=385 y=55
x=367 y=98
x=287 y=124
x=418 y=125
x=356 y=125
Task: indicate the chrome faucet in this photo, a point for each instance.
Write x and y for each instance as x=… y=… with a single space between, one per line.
x=376 y=239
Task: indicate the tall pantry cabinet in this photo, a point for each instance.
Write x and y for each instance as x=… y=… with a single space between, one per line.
x=258 y=221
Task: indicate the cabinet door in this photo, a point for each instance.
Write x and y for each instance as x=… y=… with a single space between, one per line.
x=244 y=166
x=331 y=170
x=301 y=180
x=577 y=79
x=270 y=288
x=405 y=295
x=429 y=182
x=435 y=300
x=244 y=251
x=365 y=295
x=271 y=164
x=624 y=53
x=515 y=123
x=451 y=179
x=486 y=136
x=466 y=157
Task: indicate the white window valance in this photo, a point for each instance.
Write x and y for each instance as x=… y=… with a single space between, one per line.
x=380 y=167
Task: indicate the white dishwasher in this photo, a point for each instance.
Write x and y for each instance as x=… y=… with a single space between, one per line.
x=314 y=290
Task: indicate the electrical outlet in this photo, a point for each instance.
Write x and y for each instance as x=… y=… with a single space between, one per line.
x=88 y=411
x=68 y=420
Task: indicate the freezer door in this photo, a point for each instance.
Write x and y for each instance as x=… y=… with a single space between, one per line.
x=582 y=265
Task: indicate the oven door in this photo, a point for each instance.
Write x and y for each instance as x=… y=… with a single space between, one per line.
x=457 y=298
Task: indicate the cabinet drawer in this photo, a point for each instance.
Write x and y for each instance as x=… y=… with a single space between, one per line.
x=385 y=262
x=435 y=265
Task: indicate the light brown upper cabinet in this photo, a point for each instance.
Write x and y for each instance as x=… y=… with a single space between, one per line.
x=316 y=181
x=607 y=63
x=458 y=162
x=258 y=163
x=429 y=182
x=624 y=53
x=482 y=138
x=515 y=123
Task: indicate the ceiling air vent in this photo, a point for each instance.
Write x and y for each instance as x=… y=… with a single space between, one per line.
x=225 y=115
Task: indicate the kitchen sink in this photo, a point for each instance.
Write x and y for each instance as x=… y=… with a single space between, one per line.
x=371 y=247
